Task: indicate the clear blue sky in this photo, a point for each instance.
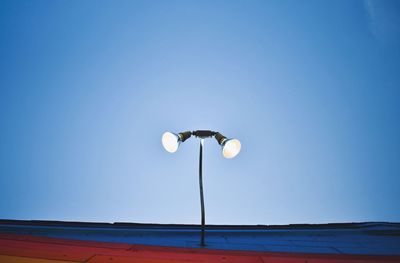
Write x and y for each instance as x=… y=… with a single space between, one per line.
x=311 y=88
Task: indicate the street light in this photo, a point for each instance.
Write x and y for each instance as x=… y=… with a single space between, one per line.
x=171 y=140
x=230 y=148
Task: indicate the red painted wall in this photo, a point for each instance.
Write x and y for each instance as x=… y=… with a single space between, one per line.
x=15 y=248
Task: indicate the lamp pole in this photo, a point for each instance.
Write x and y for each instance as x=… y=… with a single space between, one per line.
x=203 y=212
x=202 y=134
x=230 y=148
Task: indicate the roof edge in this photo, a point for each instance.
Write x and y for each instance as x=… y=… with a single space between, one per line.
x=157 y=225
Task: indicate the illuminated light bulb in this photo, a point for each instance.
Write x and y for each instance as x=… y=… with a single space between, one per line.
x=231 y=148
x=170 y=141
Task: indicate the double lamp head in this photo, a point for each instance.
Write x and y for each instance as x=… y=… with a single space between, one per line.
x=230 y=147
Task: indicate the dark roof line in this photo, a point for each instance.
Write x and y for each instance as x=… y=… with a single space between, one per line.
x=185 y=226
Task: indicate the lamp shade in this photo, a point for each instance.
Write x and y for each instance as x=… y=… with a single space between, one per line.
x=231 y=148
x=170 y=141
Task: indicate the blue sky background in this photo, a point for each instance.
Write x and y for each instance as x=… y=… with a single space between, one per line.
x=311 y=88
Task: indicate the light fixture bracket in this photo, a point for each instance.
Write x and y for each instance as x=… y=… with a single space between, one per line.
x=203 y=133
x=220 y=138
x=183 y=136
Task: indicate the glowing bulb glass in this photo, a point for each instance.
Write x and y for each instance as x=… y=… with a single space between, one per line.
x=170 y=141
x=231 y=148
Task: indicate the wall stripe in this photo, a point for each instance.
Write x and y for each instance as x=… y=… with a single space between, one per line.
x=25 y=248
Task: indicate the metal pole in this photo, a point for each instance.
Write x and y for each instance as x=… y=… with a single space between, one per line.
x=203 y=215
